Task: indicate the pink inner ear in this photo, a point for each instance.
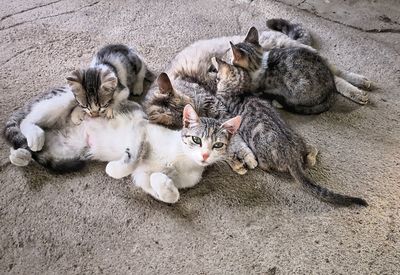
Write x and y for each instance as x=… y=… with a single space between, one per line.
x=190 y=116
x=164 y=83
x=232 y=125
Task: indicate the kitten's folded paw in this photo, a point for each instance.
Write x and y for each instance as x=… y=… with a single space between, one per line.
x=110 y=113
x=164 y=188
x=77 y=116
x=116 y=170
x=35 y=138
x=250 y=161
x=20 y=157
x=276 y=104
x=311 y=157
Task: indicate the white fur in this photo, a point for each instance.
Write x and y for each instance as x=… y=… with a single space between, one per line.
x=20 y=157
x=45 y=113
x=167 y=167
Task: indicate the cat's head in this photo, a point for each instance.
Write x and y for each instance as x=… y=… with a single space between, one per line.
x=231 y=79
x=205 y=140
x=93 y=89
x=248 y=54
x=165 y=105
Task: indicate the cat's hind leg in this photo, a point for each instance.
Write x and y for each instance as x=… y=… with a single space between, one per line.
x=20 y=157
x=164 y=187
x=138 y=86
x=357 y=80
x=123 y=167
x=34 y=135
x=351 y=92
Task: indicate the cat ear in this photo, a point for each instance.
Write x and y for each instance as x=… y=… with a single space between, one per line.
x=75 y=78
x=109 y=81
x=252 y=36
x=219 y=64
x=190 y=117
x=232 y=125
x=237 y=53
x=164 y=84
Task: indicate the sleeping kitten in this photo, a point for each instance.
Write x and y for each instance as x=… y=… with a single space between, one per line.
x=116 y=72
x=276 y=146
x=164 y=105
x=298 y=78
x=176 y=159
x=295 y=77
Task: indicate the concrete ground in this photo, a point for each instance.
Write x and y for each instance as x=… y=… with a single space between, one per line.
x=259 y=223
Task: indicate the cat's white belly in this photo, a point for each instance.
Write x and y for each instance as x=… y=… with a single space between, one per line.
x=108 y=139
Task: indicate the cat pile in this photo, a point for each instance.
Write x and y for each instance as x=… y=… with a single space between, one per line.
x=215 y=102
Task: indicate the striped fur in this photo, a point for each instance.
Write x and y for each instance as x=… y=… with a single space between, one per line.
x=276 y=146
x=297 y=78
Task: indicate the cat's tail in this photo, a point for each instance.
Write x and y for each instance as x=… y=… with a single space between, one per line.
x=323 y=193
x=12 y=132
x=58 y=166
x=294 y=31
x=308 y=110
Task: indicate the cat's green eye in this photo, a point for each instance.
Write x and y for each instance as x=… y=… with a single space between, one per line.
x=196 y=140
x=218 y=145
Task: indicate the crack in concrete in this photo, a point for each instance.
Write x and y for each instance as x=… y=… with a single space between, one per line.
x=50 y=16
x=383 y=30
x=18 y=53
x=29 y=9
x=29 y=48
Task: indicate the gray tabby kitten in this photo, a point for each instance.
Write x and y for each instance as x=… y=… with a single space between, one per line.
x=164 y=105
x=297 y=78
x=95 y=91
x=116 y=72
x=276 y=146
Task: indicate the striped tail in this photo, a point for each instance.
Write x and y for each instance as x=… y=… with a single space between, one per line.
x=323 y=193
x=294 y=31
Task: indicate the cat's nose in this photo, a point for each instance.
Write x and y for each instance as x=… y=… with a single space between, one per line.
x=94 y=114
x=205 y=156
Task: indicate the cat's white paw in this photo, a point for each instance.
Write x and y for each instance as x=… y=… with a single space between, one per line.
x=35 y=138
x=77 y=116
x=20 y=157
x=164 y=188
x=361 y=97
x=115 y=169
x=110 y=113
x=250 y=161
x=276 y=104
x=138 y=88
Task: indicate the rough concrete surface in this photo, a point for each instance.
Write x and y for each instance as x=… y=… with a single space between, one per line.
x=259 y=223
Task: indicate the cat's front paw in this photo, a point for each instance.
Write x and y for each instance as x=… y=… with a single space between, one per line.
x=20 y=157
x=116 y=170
x=35 y=138
x=164 y=188
x=237 y=166
x=77 y=116
x=250 y=161
x=110 y=113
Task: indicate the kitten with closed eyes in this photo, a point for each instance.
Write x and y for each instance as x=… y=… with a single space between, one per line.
x=116 y=72
x=276 y=146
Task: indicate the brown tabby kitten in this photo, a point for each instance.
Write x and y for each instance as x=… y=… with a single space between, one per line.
x=164 y=105
x=276 y=146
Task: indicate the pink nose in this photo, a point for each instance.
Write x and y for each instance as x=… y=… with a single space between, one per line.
x=205 y=156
